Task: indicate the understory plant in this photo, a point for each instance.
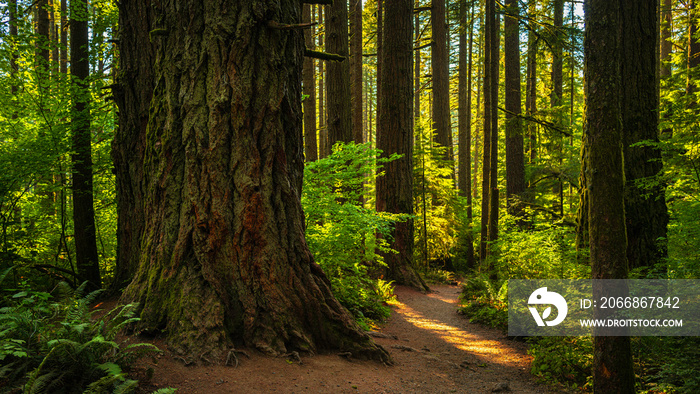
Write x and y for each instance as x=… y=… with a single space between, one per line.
x=49 y=343
x=345 y=233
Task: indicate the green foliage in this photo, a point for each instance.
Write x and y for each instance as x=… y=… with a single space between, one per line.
x=485 y=301
x=563 y=360
x=342 y=232
x=51 y=344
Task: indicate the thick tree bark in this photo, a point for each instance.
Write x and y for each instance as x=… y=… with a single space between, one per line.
x=515 y=158
x=133 y=91
x=356 y=70
x=339 y=121
x=612 y=359
x=465 y=116
x=223 y=258
x=87 y=260
x=646 y=212
x=441 y=81
x=309 y=76
x=395 y=135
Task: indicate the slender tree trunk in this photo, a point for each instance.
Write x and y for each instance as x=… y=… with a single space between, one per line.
x=395 y=135
x=645 y=208
x=356 y=69
x=53 y=38
x=380 y=49
x=416 y=71
x=666 y=38
x=465 y=117
x=612 y=359
x=223 y=258
x=531 y=94
x=693 y=52
x=515 y=159
x=324 y=147
x=133 y=92
x=43 y=54
x=64 y=38
x=309 y=76
x=493 y=177
x=480 y=78
x=441 y=81
x=87 y=260
x=14 y=67
x=556 y=98
x=339 y=121
x=489 y=79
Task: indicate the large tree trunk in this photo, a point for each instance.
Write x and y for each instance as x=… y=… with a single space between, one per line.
x=309 y=75
x=339 y=121
x=645 y=208
x=395 y=135
x=223 y=258
x=494 y=192
x=666 y=45
x=87 y=260
x=515 y=158
x=465 y=117
x=14 y=67
x=441 y=81
x=356 y=69
x=132 y=93
x=612 y=359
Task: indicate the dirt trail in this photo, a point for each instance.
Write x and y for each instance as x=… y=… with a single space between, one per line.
x=435 y=350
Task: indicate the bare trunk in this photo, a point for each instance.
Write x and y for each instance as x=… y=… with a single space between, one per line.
x=441 y=81
x=309 y=76
x=556 y=98
x=531 y=99
x=356 y=69
x=87 y=260
x=339 y=121
x=489 y=79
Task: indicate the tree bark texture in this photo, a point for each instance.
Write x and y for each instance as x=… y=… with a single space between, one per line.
x=87 y=261
x=441 y=80
x=666 y=45
x=612 y=363
x=645 y=208
x=531 y=86
x=557 y=95
x=133 y=91
x=309 y=83
x=395 y=135
x=356 y=70
x=339 y=117
x=222 y=257
x=515 y=157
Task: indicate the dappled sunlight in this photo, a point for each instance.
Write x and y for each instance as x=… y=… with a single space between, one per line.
x=489 y=350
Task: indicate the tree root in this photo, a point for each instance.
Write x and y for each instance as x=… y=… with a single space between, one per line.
x=232 y=353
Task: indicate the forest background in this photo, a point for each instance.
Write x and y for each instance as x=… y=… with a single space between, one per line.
x=496 y=161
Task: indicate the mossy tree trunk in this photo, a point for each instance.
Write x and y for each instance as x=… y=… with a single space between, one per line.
x=603 y=134
x=222 y=258
x=395 y=135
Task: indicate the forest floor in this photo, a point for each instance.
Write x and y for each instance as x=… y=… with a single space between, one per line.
x=435 y=350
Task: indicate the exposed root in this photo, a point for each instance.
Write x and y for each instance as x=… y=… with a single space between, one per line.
x=381 y=335
x=405 y=348
x=293 y=356
x=232 y=354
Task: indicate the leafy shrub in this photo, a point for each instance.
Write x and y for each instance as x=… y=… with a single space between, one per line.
x=49 y=346
x=485 y=302
x=564 y=360
x=346 y=237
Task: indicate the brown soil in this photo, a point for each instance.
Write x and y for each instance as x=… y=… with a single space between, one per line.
x=435 y=351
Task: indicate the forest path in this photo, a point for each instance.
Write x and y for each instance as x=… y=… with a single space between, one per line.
x=435 y=351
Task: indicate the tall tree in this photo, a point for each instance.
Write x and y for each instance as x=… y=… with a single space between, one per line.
x=515 y=156
x=323 y=147
x=14 y=67
x=309 y=82
x=222 y=257
x=395 y=135
x=531 y=85
x=693 y=51
x=493 y=173
x=603 y=133
x=64 y=38
x=489 y=80
x=645 y=207
x=557 y=95
x=42 y=38
x=465 y=115
x=441 y=79
x=87 y=260
x=339 y=118
x=132 y=91
x=356 y=69
x=666 y=37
